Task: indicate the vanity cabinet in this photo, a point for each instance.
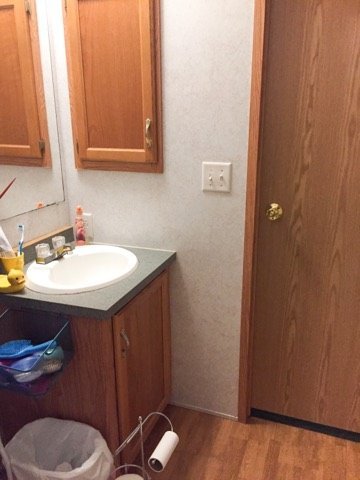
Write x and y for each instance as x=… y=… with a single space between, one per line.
x=113 y=51
x=120 y=370
x=142 y=357
x=24 y=136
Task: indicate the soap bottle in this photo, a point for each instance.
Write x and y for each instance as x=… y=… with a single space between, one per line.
x=88 y=227
x=79 y=229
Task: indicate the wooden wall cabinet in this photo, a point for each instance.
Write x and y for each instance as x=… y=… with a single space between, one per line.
x=120 y=370
x=24 y=136
x=113 y=50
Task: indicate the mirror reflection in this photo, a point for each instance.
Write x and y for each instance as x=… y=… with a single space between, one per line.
x=36 y=186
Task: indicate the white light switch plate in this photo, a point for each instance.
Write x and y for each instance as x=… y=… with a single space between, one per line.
x=216 y=176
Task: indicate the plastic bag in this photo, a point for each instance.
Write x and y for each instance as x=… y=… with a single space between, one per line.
x=53 y=449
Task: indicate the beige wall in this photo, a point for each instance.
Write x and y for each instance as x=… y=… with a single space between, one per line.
x=206 y=80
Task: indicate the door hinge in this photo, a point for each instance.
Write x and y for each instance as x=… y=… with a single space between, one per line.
x=77 y=147
x=42 y=146
x=27 y=7
x=65 y=5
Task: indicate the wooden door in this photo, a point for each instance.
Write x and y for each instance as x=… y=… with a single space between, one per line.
x=111 y=53
x=142 y=358
x=306 y=361
x=23 y=127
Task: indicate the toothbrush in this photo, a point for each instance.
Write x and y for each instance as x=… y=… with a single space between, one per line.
x=21 y=229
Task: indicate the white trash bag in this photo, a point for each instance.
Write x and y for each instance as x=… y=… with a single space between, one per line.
x=53 y=449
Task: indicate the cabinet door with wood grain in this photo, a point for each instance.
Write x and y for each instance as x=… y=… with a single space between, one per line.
x=142 y=357
x=23 y=127
x=114 y=69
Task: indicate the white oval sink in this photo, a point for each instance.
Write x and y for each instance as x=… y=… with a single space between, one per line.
x=86 y=268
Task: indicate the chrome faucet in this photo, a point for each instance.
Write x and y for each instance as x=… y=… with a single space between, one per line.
x=44 y=255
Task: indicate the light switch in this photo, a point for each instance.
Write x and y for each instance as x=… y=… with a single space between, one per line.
x=216 y=176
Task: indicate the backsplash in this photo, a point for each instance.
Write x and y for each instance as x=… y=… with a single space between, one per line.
x=37 y=223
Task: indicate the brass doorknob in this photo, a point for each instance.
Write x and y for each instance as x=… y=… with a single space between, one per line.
x=274 y=212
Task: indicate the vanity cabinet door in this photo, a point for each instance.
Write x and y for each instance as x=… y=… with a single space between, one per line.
x=142 y=358
x=113 y=57
x=23 y=128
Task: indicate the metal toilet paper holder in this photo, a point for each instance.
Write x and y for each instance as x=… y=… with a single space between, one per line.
x=160 y=456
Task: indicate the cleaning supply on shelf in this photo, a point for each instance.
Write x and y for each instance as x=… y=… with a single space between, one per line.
x=79 y=229
x=31 y=367
x=89 y=227
x=51 y=360
x=56 y=353
x=51 y=366
x=22 y=348
x=84 y=227
x=27 y=363
x=24 y=369
x=13 y=346
x=28 y=369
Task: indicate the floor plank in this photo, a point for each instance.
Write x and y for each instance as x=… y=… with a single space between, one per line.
x=213 y=448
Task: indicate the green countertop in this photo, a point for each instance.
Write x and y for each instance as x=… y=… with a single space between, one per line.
x=101 y=303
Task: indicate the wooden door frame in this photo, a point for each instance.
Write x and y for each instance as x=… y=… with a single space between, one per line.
x=246 y=327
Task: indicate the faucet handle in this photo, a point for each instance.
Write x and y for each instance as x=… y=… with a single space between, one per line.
x=42 y=250
x=43 y=253
x=58 y=243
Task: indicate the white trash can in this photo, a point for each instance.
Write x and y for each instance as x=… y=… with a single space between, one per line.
x=53 y=449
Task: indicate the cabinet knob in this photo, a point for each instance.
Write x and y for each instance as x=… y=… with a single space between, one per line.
x=124 y=336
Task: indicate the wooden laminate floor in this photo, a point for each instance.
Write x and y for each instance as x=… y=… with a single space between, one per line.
x=213 y=448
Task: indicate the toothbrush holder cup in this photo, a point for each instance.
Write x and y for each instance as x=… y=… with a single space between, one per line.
x=13 y=262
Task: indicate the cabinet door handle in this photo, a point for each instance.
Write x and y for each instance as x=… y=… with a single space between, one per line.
x=124 y=336
x=148 y=136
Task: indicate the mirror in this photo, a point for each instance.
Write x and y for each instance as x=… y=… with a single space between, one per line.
x=34 y=185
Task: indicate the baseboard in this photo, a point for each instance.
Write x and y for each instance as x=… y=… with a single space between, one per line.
x=204 y=410
x=315 y=427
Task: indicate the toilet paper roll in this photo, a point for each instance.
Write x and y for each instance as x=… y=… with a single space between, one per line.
x=162 y=453
x=129 y=476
